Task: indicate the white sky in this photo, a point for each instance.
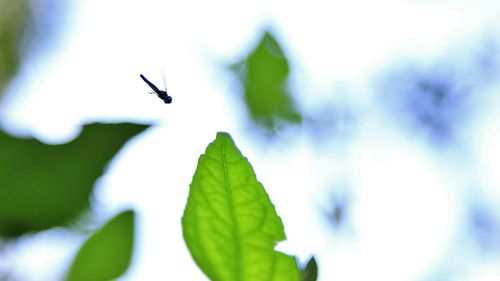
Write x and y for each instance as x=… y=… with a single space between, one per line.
x=407 y=205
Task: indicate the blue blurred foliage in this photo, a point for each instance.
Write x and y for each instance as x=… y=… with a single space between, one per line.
x=437 y=101
x=485 y=226
x=438 y=98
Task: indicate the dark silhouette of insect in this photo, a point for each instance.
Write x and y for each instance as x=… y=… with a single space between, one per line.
x=161 y=94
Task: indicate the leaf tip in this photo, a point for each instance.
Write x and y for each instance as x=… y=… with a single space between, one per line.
x=223 y=135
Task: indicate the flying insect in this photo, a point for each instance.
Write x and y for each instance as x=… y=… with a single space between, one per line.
x=161 y=94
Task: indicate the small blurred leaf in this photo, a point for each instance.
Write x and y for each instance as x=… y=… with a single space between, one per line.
x=230 y=225
x=310 y=272
x=263 y=75
x=107 y=253
x=14 y=17
x=43 y=186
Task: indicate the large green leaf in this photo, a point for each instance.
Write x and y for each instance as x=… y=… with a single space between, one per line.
x=230 y=225
x=14 y=17
x=107 y=253
x=263 y=75
x=42 y=186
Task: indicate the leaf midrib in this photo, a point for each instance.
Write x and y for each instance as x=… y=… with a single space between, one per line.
x=234 y=225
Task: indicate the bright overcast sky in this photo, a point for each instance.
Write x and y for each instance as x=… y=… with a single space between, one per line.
x=406 y=216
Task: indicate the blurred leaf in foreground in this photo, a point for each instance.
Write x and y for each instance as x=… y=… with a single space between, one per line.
x=230 y=225
x=310 y=272
x=14 y=18
x=43 y=186
x=107 y=253
x=263 y=75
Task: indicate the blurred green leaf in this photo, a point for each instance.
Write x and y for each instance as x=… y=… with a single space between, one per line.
x=230 y=225
x=42 y=186
x=263 y=75
x=107 y=253
x=14 y=17
x=310 y=272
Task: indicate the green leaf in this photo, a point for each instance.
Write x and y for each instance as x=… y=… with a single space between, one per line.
x=107 y=253
x=263 y=75
x=14 y=17
x=310 y=272
x=230 y=225
x=43 y=186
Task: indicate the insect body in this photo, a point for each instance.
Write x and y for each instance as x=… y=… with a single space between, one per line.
x=161 y=94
